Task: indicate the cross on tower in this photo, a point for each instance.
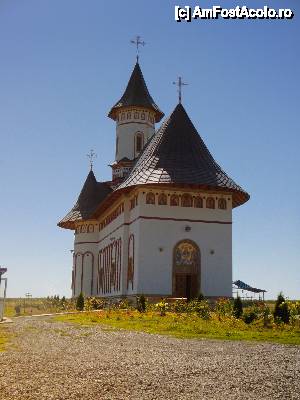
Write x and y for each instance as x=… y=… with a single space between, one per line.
x=91 y=155
x=180 y=83
x=138 y=42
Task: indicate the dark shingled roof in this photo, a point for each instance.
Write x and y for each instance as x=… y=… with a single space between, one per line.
x=136 y=94
x=91 y=196
x=177 y=155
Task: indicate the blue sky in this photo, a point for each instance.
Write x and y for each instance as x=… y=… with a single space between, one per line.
x=63 y=64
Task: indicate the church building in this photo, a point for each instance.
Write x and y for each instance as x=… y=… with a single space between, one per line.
x=162 y=226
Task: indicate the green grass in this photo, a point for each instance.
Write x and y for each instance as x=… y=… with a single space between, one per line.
x=33 y=306
x=186 y=326
x=3 y=338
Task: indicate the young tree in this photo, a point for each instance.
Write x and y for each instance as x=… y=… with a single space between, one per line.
x=141 y=303
x=80 y=302
x=281 y=311
x=237 y=307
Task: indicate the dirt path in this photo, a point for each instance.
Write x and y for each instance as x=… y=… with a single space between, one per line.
x=53 y=360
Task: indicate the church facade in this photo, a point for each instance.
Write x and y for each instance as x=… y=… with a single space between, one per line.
x=162 y=226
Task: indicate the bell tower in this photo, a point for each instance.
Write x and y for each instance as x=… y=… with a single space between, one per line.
x=135 y=114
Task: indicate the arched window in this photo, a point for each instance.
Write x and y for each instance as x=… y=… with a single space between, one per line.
x=117 y=146
x=162 y=199
x=210 y=202
x=222 y=204
x=150 y=198
x=174 y=201
x=138 y=142
x=198 y=202
x=136 y=115
x=186 y=200
x=129 y=115
x=142 y=116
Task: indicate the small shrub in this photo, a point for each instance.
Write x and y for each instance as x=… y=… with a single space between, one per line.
x=80 y=302
x=162 y=306
x=223 y=308
x=294 y=308
x=200 y=297
x=124 y=304
x=281 y=311
x=250 y=316
x=199 y=307
x=237 y=307
x=18 y=309
x=141 y=303
x=267 y=316
x=180 y=306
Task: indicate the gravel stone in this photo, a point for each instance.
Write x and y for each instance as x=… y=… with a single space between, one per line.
x=59 y=361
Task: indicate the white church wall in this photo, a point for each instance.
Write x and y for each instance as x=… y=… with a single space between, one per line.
x=128 y=127
x=165 y=226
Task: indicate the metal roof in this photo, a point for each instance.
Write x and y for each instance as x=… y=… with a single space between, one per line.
x=177 y=155
x=136 y=94
x=92 y=194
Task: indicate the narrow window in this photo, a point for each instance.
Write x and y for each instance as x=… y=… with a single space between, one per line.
x=162 y=199
x=138 y=143
x=150 y=198
x=174 y=201
x=210 y=202
x=186 y=200
x=198 y=202
x=222 y=204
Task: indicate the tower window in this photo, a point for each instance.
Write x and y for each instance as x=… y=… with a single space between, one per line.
x=139 y=142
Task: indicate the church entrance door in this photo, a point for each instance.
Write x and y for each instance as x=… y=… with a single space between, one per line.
x=186 y=286
x=186 y=270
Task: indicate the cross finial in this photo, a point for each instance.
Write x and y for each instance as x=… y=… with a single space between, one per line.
x=138 y=42
x=180 y=83
x=91 y=155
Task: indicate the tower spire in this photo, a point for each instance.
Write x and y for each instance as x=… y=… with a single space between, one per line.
x=180 y=83
x=91 y=155
x=137 y=42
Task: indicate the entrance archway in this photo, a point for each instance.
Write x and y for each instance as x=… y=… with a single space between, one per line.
x=186 y=269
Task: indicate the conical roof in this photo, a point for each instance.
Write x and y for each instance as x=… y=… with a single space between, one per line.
x=177 y=155
x=136 y=94
x=92 y=194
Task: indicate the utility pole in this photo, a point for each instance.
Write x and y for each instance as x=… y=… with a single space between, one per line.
x=28 y=296
x=2 y=300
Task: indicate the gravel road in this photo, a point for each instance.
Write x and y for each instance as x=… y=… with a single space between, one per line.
x=53 y=360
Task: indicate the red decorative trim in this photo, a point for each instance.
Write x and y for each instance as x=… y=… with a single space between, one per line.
x=159 y=219
x=136 y=122
x=130 y=264
x=78 y=254
x=109 y=267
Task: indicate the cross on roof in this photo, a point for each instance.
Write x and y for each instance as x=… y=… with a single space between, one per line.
x=179 y=83
x=91 y=155
x=138 y=42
